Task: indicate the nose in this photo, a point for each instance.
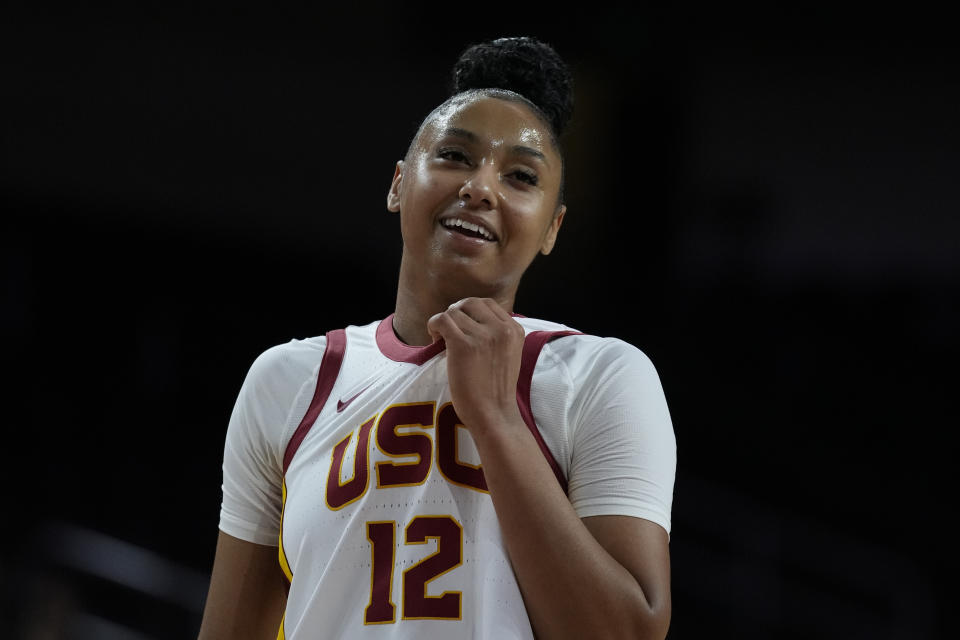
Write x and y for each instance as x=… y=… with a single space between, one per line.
x=479 y=189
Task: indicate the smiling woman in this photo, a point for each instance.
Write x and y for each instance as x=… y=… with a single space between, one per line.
x=454 y=470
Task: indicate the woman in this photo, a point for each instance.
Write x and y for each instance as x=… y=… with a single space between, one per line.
x=454 y=470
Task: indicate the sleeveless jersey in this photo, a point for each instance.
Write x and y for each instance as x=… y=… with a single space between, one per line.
x=348 y=451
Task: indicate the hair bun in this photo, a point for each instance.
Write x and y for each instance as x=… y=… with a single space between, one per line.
x=523 y=65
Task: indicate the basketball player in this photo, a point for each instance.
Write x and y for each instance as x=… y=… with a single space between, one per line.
x=454 y=470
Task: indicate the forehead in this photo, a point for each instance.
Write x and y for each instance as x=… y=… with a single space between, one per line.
x=494 y=121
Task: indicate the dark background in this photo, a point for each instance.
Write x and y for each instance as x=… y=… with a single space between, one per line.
x=765 y=202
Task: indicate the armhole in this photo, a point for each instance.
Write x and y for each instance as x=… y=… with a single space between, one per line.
x=532 y=346
x=326 y=377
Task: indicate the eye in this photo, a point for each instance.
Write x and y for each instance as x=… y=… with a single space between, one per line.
x=454 y=155
x=528 y=177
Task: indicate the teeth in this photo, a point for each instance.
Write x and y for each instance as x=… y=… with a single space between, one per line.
x=457 y=222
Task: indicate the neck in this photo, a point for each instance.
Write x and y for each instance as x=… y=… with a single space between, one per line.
x=422 y=295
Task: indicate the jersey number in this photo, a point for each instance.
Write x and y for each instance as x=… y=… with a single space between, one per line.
x=417 y=605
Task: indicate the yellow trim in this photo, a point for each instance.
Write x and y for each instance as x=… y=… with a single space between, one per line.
x=284 y=565
x=281 y=635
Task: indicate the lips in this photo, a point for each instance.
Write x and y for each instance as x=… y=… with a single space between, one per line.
x=470 y=227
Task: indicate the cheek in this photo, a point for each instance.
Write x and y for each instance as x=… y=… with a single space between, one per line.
x=419 y=204
x=533 y=220
x=424 y=191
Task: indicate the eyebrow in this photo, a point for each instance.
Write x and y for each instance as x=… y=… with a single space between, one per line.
x=530 y=151
x=460 y=133
x=470 y=136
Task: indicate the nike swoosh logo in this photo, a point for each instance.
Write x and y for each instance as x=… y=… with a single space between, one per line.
x=342 y=404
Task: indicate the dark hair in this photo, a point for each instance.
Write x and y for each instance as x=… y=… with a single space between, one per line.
x=523 y=65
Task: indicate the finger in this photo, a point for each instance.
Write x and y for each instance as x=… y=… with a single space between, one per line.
x=479 y=309
x=467 y=324
x=442 y=326
x=501 y=318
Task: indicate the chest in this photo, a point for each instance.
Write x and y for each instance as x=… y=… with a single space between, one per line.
x=387 y=448
x=388 y=484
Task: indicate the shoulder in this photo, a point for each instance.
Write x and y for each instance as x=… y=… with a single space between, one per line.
x=278 y=376
x=292 y=363
x=589 y=352
x=295 y=359
x=538 y=324
x=582 y=352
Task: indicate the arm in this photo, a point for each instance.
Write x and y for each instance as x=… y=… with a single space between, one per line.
x=248 y=592
x=600 y=577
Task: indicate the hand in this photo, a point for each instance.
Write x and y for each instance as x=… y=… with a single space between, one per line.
x=484 y=347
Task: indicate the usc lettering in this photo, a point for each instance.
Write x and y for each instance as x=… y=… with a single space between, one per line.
x=405 y=444
x=340 y=494
x=393 y=444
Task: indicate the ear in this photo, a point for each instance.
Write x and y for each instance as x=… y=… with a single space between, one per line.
x=393 y=196
x=550 y=238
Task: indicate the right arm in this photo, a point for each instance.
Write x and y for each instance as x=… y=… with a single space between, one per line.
x=248 y=592
x=248 y=589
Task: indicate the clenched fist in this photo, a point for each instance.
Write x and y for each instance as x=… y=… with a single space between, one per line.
x=484 y=347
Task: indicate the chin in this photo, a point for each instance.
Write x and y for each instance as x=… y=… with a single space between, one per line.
x=465 y=281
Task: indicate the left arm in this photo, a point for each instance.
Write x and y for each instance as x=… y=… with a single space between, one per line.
x=599 y=577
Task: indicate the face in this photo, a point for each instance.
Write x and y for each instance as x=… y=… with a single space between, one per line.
x=478 y=198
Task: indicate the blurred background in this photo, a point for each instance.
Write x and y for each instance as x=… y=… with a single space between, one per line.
x=765 y=202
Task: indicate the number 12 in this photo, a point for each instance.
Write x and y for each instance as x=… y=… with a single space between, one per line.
x=417 y=605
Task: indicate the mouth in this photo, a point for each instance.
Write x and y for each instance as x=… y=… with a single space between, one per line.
x=470 y=229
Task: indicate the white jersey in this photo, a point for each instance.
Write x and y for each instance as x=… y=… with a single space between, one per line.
x=346 y=449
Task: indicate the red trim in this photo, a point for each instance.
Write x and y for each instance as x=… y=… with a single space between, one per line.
x=329 y=370
x=391 y=346
x=532 y=345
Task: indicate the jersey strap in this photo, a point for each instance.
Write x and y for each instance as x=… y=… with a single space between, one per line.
x=326 y=376
x=532 y=346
